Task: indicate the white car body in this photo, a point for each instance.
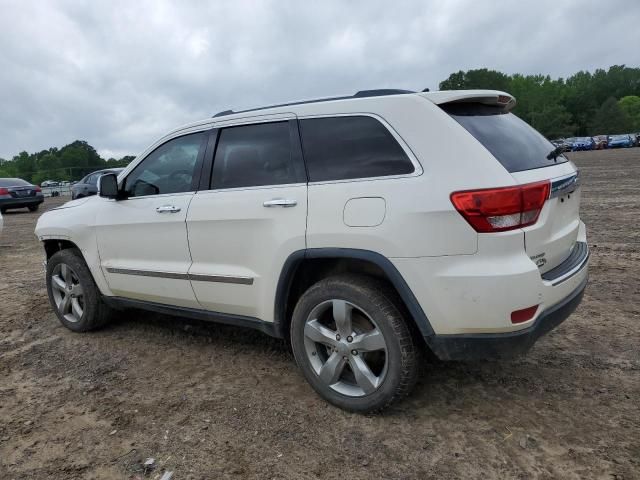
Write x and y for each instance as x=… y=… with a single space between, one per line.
x=222 y=251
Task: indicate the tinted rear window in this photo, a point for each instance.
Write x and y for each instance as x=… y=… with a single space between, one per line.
x=340 y=148
x=12 y=182
x=513 y=142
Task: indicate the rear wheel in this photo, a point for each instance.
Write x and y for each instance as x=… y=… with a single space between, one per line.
x=73 y=294
x=33 y=208
x=352 y=343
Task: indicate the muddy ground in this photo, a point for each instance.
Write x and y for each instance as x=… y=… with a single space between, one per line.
x=212 y=401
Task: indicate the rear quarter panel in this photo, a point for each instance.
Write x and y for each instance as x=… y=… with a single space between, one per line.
x=420 y=219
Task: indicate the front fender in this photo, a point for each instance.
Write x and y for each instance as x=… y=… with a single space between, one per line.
x=76 y=225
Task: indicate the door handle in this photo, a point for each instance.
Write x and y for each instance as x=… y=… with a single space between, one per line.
x=168 y=209
x=280 y=202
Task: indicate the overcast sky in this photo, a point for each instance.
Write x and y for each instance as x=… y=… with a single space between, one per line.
x=121 y=74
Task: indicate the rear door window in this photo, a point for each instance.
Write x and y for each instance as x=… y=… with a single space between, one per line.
x=256 y=155
x=341 y=148
x=93 y=179
x=513 y=142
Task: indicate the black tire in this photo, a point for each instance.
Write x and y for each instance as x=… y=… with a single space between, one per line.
x=33 y=208
x=95 y=313
x=376 y=300
x=3 y=210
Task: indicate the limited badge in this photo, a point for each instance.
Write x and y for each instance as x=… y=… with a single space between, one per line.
x=539 y=259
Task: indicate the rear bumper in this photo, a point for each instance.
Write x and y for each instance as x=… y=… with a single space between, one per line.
x=20 y=202
x=505 y=345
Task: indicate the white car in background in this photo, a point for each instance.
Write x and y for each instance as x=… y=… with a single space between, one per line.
x=361 y=229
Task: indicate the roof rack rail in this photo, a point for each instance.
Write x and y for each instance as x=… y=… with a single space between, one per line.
x=360 y=94
x=224 y=112
x=380 y=92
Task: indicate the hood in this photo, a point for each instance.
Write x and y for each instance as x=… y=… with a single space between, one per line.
x=73 y=203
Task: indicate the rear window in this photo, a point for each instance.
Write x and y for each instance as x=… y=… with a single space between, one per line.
x=340 y=148
x=513 y=142
x=12 y=182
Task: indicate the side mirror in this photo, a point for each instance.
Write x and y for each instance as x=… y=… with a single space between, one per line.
x=108 y=185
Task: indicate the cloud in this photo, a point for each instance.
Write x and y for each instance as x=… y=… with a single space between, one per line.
x=119 y=74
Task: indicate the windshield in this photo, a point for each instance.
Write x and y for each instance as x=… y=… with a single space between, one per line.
x=513 y=142
x=12 y=182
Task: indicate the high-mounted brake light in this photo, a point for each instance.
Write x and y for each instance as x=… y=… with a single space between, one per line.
x=501 y=209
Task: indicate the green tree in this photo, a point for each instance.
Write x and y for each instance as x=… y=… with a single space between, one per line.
x=630 y=105
x=553 y=121
x=610 y=119
x=559 y=107
x=480 y=78
x=70 y=162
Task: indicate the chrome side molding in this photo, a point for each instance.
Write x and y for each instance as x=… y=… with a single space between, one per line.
x=183 y=276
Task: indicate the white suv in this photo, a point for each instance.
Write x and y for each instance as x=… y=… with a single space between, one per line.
x=362 y=229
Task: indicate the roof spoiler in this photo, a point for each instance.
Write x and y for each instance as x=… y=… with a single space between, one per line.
x=485 y=97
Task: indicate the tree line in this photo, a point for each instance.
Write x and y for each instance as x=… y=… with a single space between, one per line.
x=605 y=102
x=71 y=162
x=598 y=103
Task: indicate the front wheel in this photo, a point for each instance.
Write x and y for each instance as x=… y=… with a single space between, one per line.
x=73 y=294
x=33 y=208
x=352 y=343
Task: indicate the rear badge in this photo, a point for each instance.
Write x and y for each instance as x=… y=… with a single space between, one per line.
x=539 y=259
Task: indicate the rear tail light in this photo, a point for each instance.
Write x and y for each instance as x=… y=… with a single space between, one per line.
x=4 y=191
x=520 y=316
x=501 y=209
x=38 y=189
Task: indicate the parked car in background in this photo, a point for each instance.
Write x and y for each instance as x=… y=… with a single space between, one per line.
x=620 y=141
x=635 y=138
x=347 y=247
x=582 y=143
x=89 y=185
x=601 y=142
x=18 y=193
x=49 y=183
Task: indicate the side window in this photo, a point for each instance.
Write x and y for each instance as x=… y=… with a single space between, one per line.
x=340 y=148
x=170 y=168
x=93 y=179
x=255 y=155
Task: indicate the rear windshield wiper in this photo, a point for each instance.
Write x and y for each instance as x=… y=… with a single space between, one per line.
x=555 y=153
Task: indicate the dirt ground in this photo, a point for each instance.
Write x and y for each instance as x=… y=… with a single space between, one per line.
x=212 y=401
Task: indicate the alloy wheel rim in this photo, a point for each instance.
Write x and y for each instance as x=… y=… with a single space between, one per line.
x=345 y=348
x=68 y=293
